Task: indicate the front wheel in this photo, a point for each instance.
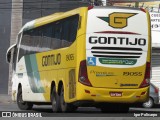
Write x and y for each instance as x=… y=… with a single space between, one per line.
x=66 y=107
x=22 y=104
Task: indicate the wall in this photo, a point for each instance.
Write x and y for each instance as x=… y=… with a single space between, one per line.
x=5 y=21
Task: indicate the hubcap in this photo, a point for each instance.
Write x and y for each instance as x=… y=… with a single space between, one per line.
x=148 y=103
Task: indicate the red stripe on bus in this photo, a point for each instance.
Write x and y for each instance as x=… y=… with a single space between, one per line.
x=118 y=32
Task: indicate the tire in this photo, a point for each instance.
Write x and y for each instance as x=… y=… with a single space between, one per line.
x=115 y=108
x=66 y=107
x=55 y=100
x=149 y=103
x=23 y=105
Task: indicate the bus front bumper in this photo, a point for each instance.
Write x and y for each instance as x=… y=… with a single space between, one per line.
x=103 y=94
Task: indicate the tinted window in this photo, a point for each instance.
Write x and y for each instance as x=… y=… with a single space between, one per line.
x=56 y=43
x=24 y=46
x=46 y=37
x=73 y=29
x=55 y=35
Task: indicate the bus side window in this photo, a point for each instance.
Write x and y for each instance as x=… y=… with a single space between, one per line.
x=73 y=28
x=46 y=35
x=69 y=30
x=32 y=41
x=65 y=33
x=49 y=36
x=15 y=52
x=36 y=40
x=31 y=47
x=57 y=38
x=53 y=46
x=40 y=40
x=27 y=44
x=23 y=44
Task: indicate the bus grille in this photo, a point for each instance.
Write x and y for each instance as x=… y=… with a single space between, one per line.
x=116 y=52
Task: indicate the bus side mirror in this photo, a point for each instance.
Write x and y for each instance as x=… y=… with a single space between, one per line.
x=8 y=57
x=9 y=53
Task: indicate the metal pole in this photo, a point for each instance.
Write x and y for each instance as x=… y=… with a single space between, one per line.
x=137 y=4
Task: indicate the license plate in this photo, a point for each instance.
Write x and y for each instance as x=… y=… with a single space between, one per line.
x=116 y=94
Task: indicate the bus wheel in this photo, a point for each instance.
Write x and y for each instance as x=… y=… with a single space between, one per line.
x=66 y=107
x=55 y=100
x=22 y=104
x=149 y=103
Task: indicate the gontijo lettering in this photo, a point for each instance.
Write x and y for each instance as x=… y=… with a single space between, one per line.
x=117 y=40
x=53 y=59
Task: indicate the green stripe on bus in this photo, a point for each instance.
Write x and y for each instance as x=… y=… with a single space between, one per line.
x=32 y=72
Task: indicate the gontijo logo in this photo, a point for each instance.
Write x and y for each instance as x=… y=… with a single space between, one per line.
x=118 y=19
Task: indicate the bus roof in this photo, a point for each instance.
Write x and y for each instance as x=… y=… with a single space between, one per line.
x=60 y=15
x=48 y=19
x=42 y=20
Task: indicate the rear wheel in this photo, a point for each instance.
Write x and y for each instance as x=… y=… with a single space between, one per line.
x=55 y=100
x=22 y=104
x=66 y=107
x=149 y=103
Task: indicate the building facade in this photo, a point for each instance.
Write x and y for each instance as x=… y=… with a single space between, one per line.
x=5 y=26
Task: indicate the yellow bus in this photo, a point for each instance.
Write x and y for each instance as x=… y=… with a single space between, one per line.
x=89 y=56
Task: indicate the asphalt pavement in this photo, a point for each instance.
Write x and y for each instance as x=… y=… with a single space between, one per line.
x=6 y=104
x=4 y=98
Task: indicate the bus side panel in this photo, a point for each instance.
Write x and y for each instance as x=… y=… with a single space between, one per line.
x=28 y=77
x=69 y=59
x=14 y=87
x=55 y=65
